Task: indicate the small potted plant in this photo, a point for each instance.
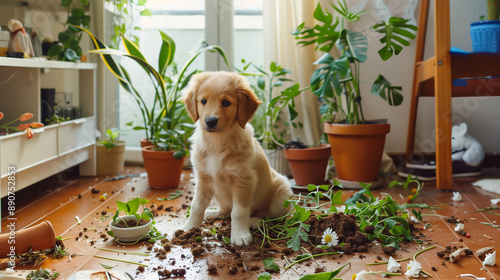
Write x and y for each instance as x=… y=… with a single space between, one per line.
x=485 y=34
x=357 y=144
x=110 y=154
x=268 y=115
x=133 y=226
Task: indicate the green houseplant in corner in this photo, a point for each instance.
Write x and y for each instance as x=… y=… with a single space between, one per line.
x=336 y=82
x=109 y=154
x=163 y=119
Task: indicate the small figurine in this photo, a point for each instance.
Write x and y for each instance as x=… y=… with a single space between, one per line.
x=465 y=147
x=20 y=41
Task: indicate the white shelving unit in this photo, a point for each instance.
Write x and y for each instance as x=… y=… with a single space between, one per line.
x=56 y=147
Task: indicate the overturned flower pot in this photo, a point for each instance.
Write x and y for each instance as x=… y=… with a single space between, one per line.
x=34 y=238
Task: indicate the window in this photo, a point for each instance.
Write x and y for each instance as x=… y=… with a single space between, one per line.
x=189 y=22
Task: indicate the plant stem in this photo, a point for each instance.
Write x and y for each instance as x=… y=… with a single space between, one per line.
x=125 y=252
x=312 y=256
x=421 y=251
x=401 y=260
x=118 y=260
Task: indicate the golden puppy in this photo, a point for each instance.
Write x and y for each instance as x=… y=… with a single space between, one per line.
x=228 y=162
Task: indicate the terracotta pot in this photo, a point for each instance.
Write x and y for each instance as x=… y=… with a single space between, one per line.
x=130 y=234
x=309 y=165
x=36 y=238
x=110 y=161
x=357 y=150
x=145 y=142
x=164 y=171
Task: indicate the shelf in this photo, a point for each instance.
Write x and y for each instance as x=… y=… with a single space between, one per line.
x=56 y=147
x=43 y=63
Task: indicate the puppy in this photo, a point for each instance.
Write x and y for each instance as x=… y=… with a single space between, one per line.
x=228 y=163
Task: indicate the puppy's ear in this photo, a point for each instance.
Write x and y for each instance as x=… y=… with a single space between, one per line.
x=247 y=103
x=189 y=95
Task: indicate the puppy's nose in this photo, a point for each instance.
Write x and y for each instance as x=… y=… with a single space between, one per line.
x=211 y=122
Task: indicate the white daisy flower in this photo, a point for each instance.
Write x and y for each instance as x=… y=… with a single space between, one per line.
x=413 y=269
x=360 y=275
x=459 y=227
x=330 y=238
x=456 y=196
x=490 y=259
x=393 y=265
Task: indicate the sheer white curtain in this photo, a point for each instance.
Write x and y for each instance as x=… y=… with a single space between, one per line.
x=281 y=17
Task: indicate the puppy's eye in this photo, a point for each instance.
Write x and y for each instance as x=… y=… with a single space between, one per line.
x=204 y=101
x=226 y=103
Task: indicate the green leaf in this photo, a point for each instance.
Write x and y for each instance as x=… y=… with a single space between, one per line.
x=66 y=3
x=396 y=33
x=383 y=88
x=264 y=276
x=171 y=196
x=167 y=53
x=54 y=51
x=122 y=206
x=179 y=154
x=106 y=266
x=85 y=2
x=77 y=12
x=146 y=12
x=336 y=198
x=269 y=264
x=354 y=44
x=133 y=205
x=324 y=275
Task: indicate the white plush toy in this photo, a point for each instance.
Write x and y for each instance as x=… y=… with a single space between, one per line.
x=465 y=147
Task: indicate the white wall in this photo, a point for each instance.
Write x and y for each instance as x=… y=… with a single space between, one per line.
x=479 y=113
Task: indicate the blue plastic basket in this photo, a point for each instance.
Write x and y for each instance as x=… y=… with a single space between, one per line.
x=485 y=36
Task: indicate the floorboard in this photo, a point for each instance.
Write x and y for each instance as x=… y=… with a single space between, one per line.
x=61 y=198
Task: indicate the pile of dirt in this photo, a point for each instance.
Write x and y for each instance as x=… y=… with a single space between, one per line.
x=345 y=226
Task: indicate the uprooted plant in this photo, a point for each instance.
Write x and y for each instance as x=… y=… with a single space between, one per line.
x=382 y=219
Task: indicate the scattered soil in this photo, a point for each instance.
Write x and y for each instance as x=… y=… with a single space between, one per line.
x=389 y=250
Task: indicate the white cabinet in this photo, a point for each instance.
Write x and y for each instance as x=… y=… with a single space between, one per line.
x=55 y=147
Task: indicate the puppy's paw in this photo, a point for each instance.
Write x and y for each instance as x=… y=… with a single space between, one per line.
x=211 y=213
x=240 y=238
x=187 y=226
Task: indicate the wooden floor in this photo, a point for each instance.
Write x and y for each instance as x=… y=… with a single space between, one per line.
x=60 y=199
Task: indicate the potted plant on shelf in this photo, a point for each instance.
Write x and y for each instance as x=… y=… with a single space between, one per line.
x=269 y=114
x=163 y=119
x=357 y=144
x=485 y=34
x=133 y=226
x=109 y=154
x=68 y=47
